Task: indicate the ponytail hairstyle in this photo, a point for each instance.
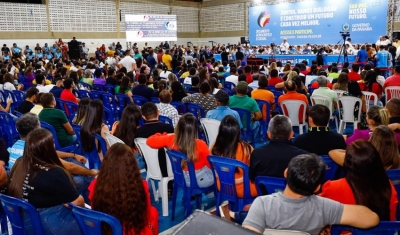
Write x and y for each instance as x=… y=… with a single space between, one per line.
x=379 y=115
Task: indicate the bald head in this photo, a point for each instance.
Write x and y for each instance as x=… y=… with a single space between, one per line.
x=165 y=97
x=290 y=85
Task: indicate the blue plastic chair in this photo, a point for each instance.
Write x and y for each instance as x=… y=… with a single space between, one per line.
x=165 y=120
x=70 y=109
x=331 y=167
x=245 y=117
x=122 y=101
x=12 y=208
x=58 y=104
x=19 y=96
x=179 y=106
x=277 y=94
x=224 y=170
x=15 y=102
x=271 y=184
x=87 y=86
x=18 y=114
x=3 y=99
x=84 y=94
x=187 y=86
x=110 y=89
x=77 y=130
x=108 y=117
x=93 y=155
x=110 y=103
x=196 y=110
x=264 y=124
x=98 y=87
x=9 y=131
x=155 y=100
x=394 y=176
x=229 y=85
x=176 y=159
x=227 y=91
x=70 y=148
x=90 y=222
x=96 y=95
x=139 y=100
x=383 y=228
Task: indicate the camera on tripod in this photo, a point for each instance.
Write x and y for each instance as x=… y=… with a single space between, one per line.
x=345 y=34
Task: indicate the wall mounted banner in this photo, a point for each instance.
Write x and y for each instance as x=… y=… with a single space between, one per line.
x=318 y=22
x=147 y=28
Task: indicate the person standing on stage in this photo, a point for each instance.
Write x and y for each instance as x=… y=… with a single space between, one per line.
x=284 y=47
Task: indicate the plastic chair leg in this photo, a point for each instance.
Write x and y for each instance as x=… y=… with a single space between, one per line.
x=174 y=196
x=217 y=203
x=155 y=192
x=164 y=195
x=198 y=201
x=341 y=127
x=188 y=208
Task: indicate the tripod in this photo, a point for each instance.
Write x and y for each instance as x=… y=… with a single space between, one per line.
x=343 y=51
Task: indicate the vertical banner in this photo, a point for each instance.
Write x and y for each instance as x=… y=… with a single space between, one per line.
x=147 y=28
x=318 y=22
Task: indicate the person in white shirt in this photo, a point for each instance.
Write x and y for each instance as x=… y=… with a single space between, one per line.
x=348 y=42
x=233 y=76
x=383 y=41
x=284 y=46
x=349 y=50
x=40 y=81
x=336 y=50
x=111 y=61
x=85 y=51
x=128 y=62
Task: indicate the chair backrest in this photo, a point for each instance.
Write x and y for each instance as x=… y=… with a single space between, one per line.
x=108 y=117
x=72 y=109
x=155 y=100
x=370 y=97
x=9 y=131
x=224 y=169
x=96 y=95
x=383 y=228
x=102 y=142
x=50 y=128
x=394 y=176
x=229 y=85
x=227 y=91
x=19 y=95
x=179 y=106
x=270 y=184
x=319 y=99
x=87 y=86
x=110 y=89
x=339 y=92
x=139 y=100
x=112 y=139
x=123 y=100
x=98 y=87
x=15 y=103
x=331 y=167
x=348 y=104
x=392 y=92
x=262 y=104
x=187 y=86
x=84 y=94
x=150 y=155
x=196 y=110
x=176 y=159
x=109 y=101
x=12 y=208
x=293 y=110
x=211 y=127
x=165 y=120
x=90 y=221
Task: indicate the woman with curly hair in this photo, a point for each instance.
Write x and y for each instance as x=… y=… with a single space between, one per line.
x=120 y=191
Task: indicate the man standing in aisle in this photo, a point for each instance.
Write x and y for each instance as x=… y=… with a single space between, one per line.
x=128 y=62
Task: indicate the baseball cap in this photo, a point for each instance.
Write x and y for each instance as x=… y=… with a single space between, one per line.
x=243 y=63
x=242 y=87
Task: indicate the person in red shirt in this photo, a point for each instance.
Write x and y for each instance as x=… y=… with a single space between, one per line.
x=274 y=79
x=371 y=85
x=360 y=187
x=67 y=94
x=247 y=72
x=120 y=191
x=291 y=94
x=393 y=80
x=354 y=75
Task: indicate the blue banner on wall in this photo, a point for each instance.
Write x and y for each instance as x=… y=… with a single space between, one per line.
x=318 y=22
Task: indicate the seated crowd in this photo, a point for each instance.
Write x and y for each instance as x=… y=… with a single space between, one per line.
x=159 y=85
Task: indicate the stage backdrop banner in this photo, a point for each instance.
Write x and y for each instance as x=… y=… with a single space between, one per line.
x=318 y=22
x=148 y=28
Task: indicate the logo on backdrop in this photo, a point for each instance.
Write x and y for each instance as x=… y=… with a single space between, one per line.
x=263 y=19
x=346 y=27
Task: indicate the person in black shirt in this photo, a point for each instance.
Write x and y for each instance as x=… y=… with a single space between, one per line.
x=27 y=104
x=152 y=126
x=239 y=54
x=319 y=139
x=5 y=50
x=273 y=158
x=224 y=55
x=142 y=89
x=111 y=79
x=58 y=88
x=195 y=84
x=38 y=49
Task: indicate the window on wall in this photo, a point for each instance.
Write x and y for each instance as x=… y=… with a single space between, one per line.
x=222 y=18
x=82 y=16
x=187 y=18
x=23 y=17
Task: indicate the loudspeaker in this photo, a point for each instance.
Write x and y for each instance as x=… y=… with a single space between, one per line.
x=243 y=40
x=200 y=223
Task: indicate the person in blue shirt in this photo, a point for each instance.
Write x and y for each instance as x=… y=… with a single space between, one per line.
x=222 y=110
x=39 y=55
x=6 y=57
x=27 y=50
x=46 y=48
x=382 y=59
x=16 y=50
x=362 y=56
x=54 y=49
x=58 y=54
x=31 y=56
x=49 y=56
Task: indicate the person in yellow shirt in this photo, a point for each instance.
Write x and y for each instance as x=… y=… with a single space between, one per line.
x=167 y=60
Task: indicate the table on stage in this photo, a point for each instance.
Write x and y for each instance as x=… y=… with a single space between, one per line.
x=297 y=59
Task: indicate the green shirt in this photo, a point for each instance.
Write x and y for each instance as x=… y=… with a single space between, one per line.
x=333 y=75
x=119 y=87
x=244 y=102
x=57 y=118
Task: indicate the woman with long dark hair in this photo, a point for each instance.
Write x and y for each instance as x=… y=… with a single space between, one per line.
x=177 y=91
x=204 y=75
x=82 y=109
x=120 y=191
x=185 y=140
x=40 y=179
x=342 y=82
x=365 y=182
x=161 y=85
x=125 y=88
x=371 y=84
x=125 y=128
x=93 y=124
x=228 y=144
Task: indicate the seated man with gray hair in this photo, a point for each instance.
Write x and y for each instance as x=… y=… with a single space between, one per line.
x=273 y=158
x=324 y=90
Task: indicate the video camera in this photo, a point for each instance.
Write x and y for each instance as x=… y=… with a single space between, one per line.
x=345 y=34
